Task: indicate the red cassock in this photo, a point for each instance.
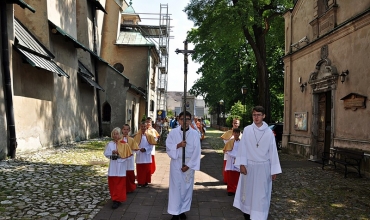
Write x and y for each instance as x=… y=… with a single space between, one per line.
x=152 y=165
x=130 y=181
x=143 y=173
x=117 y=188
x=232 y=180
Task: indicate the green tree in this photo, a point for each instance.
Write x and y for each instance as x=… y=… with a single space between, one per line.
x=170 y=114
x=231 y=38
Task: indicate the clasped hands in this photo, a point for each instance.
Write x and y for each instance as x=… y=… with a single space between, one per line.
x=184 y=168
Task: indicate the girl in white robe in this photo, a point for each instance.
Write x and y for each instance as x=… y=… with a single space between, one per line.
x=118 y=153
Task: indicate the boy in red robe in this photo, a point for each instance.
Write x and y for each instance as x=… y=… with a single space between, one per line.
x=232 y=172
x=130 y=174
x=143 y=156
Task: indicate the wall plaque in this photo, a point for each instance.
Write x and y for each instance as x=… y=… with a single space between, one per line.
x=300 y=121
x=354 y=101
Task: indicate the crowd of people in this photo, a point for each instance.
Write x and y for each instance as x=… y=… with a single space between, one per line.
x=121 y=151
x=251 y=162
x=124 y=152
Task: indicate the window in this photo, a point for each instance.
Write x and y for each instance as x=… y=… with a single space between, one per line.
x=151 y=105
x=106 y=112
x=119 y=67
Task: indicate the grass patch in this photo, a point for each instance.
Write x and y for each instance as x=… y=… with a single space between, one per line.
x=89 y=153
x=93 y=145
x=213 y=137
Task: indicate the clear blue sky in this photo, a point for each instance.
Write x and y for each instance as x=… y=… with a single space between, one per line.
x=180 y=27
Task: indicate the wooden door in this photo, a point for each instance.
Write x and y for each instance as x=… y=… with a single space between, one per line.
x=324 y=123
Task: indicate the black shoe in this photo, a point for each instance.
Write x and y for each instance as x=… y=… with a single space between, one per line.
x=182 y=216
x=146 y=185
x=230 y=194
x=175 y=217
x=115 y=204
x=139 y=185
x=246 y=216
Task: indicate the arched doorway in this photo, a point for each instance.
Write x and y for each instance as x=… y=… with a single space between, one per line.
x=323 y=82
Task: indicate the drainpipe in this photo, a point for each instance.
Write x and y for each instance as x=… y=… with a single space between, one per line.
x=12 y=144
x=148 y=85
x=93 y=11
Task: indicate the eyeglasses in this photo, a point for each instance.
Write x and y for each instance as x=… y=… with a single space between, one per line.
x=188 y=119
x=257 y=115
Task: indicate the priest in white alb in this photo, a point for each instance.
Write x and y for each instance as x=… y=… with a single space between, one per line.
x=259 y=163
x=182 y=176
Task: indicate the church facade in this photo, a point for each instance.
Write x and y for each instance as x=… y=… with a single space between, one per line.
x=327 y=46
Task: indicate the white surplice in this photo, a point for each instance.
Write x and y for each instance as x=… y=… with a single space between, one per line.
x=144 y=157
x=231 y=155
x=116 y=167
x=253 y=194
x=181 y=183
x=130 y=160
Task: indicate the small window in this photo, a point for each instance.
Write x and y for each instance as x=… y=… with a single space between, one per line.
x=106 y=112
x=119 y=67
x=151 y=105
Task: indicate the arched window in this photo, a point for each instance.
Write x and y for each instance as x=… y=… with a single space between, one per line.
x=151 y=107
x=106 y=112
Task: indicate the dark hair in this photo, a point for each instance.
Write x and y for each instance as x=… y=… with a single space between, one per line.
x=126 y=125
x=148 y=118
x=258 y=108
x=186 y=114
x=236 y=130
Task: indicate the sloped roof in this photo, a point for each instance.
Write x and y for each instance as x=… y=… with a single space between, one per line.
x=133 y=39
x=129 y=10
x=98 y=5
x=33 y=51
x=77 y=44
x=148 y=30
x=22 y=4
x=87 y=76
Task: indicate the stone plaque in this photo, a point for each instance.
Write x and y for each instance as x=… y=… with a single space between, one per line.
x=326 y=25
x=354 y=101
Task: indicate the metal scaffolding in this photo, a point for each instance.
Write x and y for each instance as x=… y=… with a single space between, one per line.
x=160 y=36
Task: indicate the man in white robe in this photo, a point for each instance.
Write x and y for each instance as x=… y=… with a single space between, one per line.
x=259 y=163
x=182 y=177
